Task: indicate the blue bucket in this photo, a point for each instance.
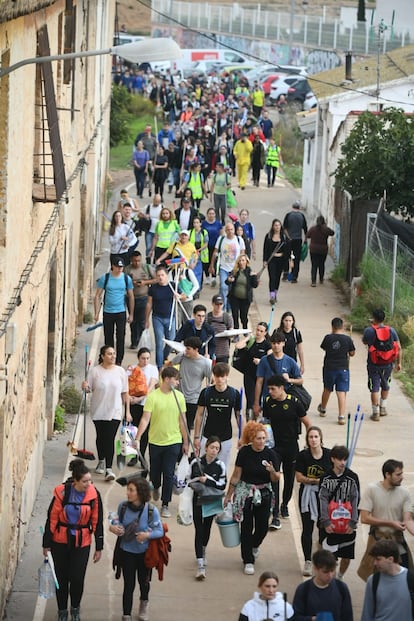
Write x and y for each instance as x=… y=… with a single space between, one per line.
x=229 y=533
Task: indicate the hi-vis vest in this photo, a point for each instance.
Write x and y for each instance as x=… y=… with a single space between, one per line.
x=272 y=158
x=166 y=234
x=194 y=183
x=204 y=252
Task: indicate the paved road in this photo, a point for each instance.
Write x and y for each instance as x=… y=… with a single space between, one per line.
x=220 y=597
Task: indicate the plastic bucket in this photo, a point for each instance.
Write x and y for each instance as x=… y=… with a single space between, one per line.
x=229 y=533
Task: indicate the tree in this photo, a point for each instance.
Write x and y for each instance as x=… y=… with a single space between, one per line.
x=378 y=156
x=120 y=116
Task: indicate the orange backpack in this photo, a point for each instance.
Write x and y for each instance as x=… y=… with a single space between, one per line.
x=137 y=384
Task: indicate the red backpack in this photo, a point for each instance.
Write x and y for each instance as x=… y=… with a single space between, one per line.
x=384 y=350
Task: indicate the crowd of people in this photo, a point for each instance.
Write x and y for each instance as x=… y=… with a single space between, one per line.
x=190 y=411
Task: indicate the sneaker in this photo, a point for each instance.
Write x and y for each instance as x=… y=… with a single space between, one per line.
x=321 y=410
x=284 y=511
x=201 y=574
x=204 y=557
x=165 y=512
x=156 y=494
x=133 y=462
x=272 y=298
x=109 y=475
x=375 y=416
x=249 y=569
x=256 y=552
x=275 y=524
x=143 y=610
x=341 y=420
x=383 y=410
x=100 y=468
x=285 y=277
x=294 y=281
x=213 y=282
x=313 y=284
x=126 y=618
x=307 y=568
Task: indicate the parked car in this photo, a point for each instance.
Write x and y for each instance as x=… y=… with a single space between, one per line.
x=260 y=73
x=297 y=94
x=267 y=83
x=282 y=85
x=310 y=101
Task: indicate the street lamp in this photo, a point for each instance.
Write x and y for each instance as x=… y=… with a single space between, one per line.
x=148 y=51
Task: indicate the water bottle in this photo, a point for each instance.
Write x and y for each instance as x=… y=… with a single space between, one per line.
x=113 y=518
x=46 y=581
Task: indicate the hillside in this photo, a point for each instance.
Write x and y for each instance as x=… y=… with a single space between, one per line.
x=136 y=17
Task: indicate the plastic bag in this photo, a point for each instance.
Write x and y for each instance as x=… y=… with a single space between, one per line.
x=226 y=516
x=304 y=251
x=270 y=440
x=231 y=198
x=146 y=340
x=185 y=507
x=181 y=475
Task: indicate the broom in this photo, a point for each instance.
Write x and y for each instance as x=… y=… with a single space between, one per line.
x=82 y=453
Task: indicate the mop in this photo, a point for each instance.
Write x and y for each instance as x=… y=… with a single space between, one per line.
x=82 y=453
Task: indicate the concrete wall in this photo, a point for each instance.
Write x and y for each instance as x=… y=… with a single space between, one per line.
x=46 y=250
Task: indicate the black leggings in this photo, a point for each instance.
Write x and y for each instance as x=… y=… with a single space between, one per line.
x=254 y=526
x=275 y=269
x=133 y=566
x=287 y=456
x=70 y=567
x=105 y=439
x=136 y=413
x=202 y=528
x=239 y=307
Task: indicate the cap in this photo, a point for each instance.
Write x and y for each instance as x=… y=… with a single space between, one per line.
x=296 y=205
x=118 y=262
x=217 y=299
x=184 y=232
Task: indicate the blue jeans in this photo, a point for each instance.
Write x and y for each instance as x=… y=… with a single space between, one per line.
x=162 y=330
x=162 y=464
x=223 y=275
x=148 y=243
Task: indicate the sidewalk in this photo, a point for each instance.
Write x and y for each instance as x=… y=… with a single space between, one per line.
x=179 y=597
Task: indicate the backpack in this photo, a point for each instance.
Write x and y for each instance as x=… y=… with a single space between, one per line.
x=384 y=350
x=157 y=554
x=137 y=383
x=410 y=585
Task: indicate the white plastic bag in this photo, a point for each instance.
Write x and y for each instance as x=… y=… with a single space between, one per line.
x=146 y=340
x=181 y=475
x=185 y=507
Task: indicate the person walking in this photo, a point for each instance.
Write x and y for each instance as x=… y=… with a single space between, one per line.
x=338 y=348
x=220 y=320
x=167 y=434
x=151 y=375
x=384 y=353
x=250 y=350
x=138 y=523
x=323 y=593
x=74 y=516
x=116 y=287
x=213 y=228
x=108 y=383
x=119 y=237
x=140 y=160
x=250 y=490
x=160 y=167
x=194 y=370
x=166 y=232
x=242 y=151
x=215 y=406
x=388 y=594
x=160 y=305
x=198 y=326
x=386 y=507
x=141 y=278
x=286 y=415
x=311 y=464
x=152 y=213
x=211 y=472
x=294 y=223
x=276 y=250
x=241 y=281
x=273 y=156
x=318 y=248
x=257 y=158
x=228 y=247
x=220 y=183
x=293 y=346
x=267 y=602
x=339 y=487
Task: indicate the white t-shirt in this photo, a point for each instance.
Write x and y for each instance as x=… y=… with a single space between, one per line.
x=229 y=251
x=150 y=371
x=154 y=214
x=107 y=386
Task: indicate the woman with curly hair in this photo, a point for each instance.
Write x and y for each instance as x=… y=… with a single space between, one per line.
x=241 y=282
x=251 y=492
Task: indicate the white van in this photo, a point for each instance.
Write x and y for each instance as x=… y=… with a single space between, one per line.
x=191 y=56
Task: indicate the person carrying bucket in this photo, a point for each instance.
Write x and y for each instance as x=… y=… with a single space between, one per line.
x=251 y=492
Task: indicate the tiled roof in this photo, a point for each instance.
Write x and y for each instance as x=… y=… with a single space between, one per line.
x=394 y=65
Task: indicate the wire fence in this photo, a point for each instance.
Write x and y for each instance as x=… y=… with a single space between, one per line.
x=275 y=26
x=390 y=264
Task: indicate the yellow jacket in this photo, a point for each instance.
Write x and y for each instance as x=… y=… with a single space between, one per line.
x=242 y=150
